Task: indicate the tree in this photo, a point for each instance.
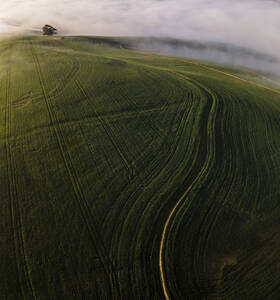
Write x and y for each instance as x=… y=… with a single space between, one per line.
x=49 y=30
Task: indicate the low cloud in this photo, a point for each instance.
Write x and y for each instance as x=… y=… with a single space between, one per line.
x=208 y=51
x=249 y=23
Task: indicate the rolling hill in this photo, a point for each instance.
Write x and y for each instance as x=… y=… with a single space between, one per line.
x=230 y=55
x=129 y=175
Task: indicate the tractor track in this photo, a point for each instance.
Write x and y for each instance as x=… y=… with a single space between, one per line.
x=76 y=185
x=25 y=280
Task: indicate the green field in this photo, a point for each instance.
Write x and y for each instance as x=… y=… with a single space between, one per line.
x=127 y=175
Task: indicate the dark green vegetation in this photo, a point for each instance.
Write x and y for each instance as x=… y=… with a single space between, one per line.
x=133 y=176
x=49 y=30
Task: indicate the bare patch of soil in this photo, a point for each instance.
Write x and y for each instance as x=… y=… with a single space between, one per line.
x=24 y=99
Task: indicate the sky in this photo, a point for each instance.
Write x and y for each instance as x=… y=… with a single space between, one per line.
x=250 y=23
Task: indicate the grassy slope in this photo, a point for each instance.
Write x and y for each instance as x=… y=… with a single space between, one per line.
x=270 y=79
x=106 y=148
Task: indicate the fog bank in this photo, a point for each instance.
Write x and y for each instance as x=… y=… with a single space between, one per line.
x=250 y=23
x=213 y=52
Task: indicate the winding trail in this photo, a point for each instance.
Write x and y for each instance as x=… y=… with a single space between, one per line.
x=177 y=206
x=210 y=154
x=209 y=157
